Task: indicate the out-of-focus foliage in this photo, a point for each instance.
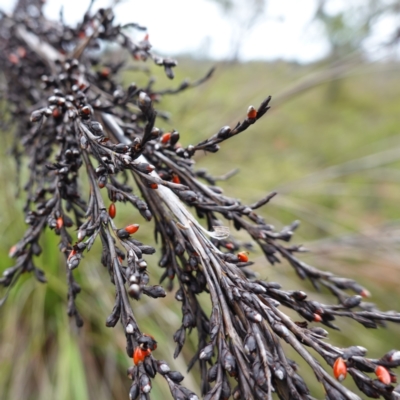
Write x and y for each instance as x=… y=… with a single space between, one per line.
x=244 y=16
x=348 y=26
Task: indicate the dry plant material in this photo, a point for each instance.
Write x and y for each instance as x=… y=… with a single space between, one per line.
x=72 y=118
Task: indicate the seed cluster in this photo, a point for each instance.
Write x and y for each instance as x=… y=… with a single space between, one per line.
x=72 y=119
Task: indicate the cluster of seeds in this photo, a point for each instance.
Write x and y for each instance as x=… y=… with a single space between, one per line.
x=73 y=118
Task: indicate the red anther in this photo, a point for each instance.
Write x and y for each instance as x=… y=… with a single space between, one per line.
x=21 y=52
x=105 y=72
x=59 y=223
x=132 y=228
x=251 y=113
x=112 y=210
x=71 y=254
x=153 y=186
x=243 y=256
x=13 y=58
x=383 y=375
x=365 y=293
x=56 y=113
x=12 y=251
x=230 y=246
x=139 y=355
x=155 y=97
x=340 y=369
x=165 y=138
x=175 y=179
x=317 y=318
x=85 y=110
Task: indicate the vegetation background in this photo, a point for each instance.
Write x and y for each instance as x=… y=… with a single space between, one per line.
x=330 y=146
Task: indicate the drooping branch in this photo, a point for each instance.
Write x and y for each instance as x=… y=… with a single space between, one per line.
x=74 y=119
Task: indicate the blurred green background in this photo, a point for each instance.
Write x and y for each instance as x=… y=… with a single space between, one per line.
x=330 y=146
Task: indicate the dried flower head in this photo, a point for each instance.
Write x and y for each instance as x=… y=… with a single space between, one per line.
x=73 y=118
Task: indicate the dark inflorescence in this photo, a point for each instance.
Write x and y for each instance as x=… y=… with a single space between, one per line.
x=72 y=119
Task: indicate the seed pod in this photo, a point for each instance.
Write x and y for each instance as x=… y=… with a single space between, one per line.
x=147 y=249
x=144 y=101
x=206 y=353
x=212 y=373
x=122 y=234
x=188 y=319
x=383 y=375
x=299 y=295
x=145 y=384
x=113 y=318
x=354 y=351
x=188 y=195
x=228 y=362
x=131 y=372
x=149 y=367
x=162 y=367
x=101 y=182
x=319 y=331
x=134 y=391
x=155 y=133
x=224 y=132
x=225 y=389
x=174 y=138
x=59 y=223
x=96 y=128
x=252 y=315
x=81 y=234
x=179 y=295
x=144 y=279
x=134 y=291
x=36 y=249
x=175 y=376
x=154 y=291
x=340 y=369
x=36 y=116
x=300 y=384
x=352 y=301
x=250 y=344
x=73 y=262
x=362 y=364
x=145 y=167
x=169 y=72
x=85 y=111
x=147 y=342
